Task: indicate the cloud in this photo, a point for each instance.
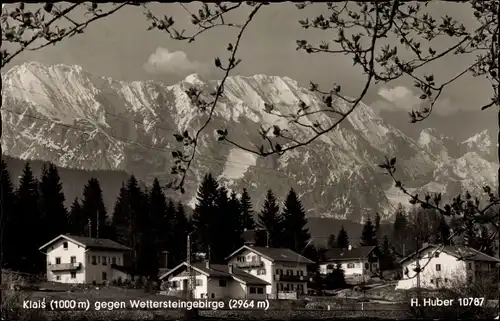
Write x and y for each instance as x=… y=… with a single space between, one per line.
x=402 y=98
x=165 y=62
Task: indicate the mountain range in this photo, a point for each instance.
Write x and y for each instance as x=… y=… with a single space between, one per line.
x=76 y=120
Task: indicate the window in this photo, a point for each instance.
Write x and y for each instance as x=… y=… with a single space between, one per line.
x=98 y=259
x=279 y=272
x=432 y=280
x=175 y=284
x=375 y=265
x=240 y=259
x=73 y=259
x=445 y=280
x=222 y=283
x=58 y=278
x=73 y=275
x=94 y=262
x=300 y=288
x=300 y=273
x=438 y=267
x=470 y=266
x=350 y=265
x=330 y=267
x=254 y=258
x=199 y=282
x=280 y=286
x=261 y=272
x=213 y=295
x=252 y=290
x=113 y=260
x=367 y=266
x=470 y=279
x=104 y=260
x=104 y=276
x=58 y=260
x=260 y=290
x=290 y=287
x=289 y=272
x=65 y=246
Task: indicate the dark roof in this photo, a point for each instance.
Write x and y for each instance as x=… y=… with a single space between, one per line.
x=346 y=254
x=458 y=251
x=276 y=254
x=90 y=242
x=221 y=271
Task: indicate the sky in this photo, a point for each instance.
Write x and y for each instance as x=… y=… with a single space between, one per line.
x=121 y=47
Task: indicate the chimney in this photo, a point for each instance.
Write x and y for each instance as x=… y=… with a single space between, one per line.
x=230 y=268
x=207 y=264
x=166 y=258
x=349 y=247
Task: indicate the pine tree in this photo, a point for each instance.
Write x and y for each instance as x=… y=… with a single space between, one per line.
x=400 y=231
x=11 y=226
x=225 y=229
x=332 y=241
x=235 y=210
x=387 y=260
x=368 y=235
x=377 y=226
x=52 y=199
x=205 y=212
x=296 y=235
x=162 y=219
x=247 y=220
x=443 y=232
x=270 y=220
x=343 y=239
x=77 y=222
x=94 y=209
x=27 y=211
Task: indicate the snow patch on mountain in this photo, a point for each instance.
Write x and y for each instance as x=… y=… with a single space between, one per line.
x=237 y=163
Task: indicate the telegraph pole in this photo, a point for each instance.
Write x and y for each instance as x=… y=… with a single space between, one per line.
x=419 y=295
x=193 y=313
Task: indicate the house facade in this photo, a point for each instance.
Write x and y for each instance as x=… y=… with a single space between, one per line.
x=76 y=259
x=213 y=281
x=354 y=261
x=444 y=266
x=284 y=270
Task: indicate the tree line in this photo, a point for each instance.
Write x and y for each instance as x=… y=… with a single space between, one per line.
x=144 y=219
x=411 y=229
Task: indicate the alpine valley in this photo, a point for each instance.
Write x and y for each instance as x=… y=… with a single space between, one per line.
x=75 y=120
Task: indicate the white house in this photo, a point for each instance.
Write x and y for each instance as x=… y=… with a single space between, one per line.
x=354 y=261
x=214 y=281
x=77 y=259
x=443 y=266
x=284 y=270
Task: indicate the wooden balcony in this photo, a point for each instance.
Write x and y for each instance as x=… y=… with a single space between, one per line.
x=250 y=264
x=292 y=278
x=65 y=266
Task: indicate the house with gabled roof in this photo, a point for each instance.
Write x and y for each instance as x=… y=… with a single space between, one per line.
x=354 y=261
x=78 y=259
x=284 y=270
x=443 y=266
x=214 y=281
